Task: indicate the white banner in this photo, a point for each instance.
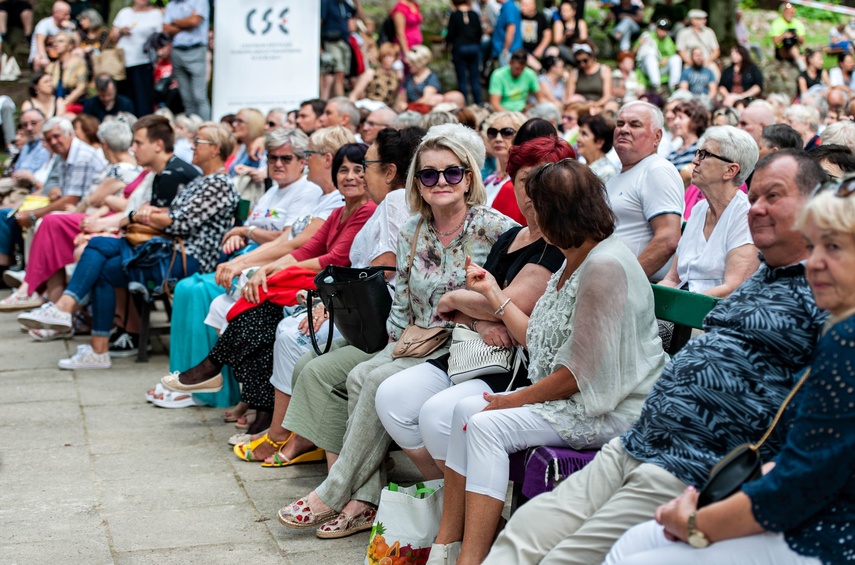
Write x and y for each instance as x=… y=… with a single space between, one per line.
x=825 y=6
x=266 y=54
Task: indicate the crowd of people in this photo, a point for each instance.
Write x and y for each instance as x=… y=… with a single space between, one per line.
x=536 y=216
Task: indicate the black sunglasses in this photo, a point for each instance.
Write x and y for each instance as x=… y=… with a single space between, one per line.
x=507 y=133
x=583 y=60
x=702 y=154
x=842 y=187
x=272 y=124
x=286 y=159
x=429 y=177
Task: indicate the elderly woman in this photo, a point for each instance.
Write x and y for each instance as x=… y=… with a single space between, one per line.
x=805 y=120
x=199 y=215
x=246 y=344
x=594 y=141
x=68 y=72
x=588 y=381
x=422 y=84
x=444 y=187
x=499 y=130
x=132 y=27
x=275 y=218
x=416 y=405
x=386 y=164
x=53 y=245
x=691 y=119
x=801 y=511
x=716 y=253
x=249 y=126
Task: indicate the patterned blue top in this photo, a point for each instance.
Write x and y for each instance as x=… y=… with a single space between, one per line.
x=810 y=494
x=725 y=386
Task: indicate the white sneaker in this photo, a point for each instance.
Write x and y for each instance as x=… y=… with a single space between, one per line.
x=48 y=317
x=49 y=335
x=18 y=301
x=86 y=358
x=14 y=279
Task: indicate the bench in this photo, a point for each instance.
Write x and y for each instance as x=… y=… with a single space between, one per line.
x=540 y=469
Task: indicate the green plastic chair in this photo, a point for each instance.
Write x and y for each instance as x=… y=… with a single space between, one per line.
x=686 y=310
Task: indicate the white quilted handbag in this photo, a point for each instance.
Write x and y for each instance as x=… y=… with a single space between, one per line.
x=470 y=358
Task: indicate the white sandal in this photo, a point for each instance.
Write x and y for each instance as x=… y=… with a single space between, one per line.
x=173 y=399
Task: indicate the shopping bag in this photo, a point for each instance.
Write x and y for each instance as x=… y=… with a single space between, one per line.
x=406 y=524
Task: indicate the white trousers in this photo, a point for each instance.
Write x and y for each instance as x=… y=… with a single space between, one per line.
x=646 y=544
x=290 y=345
x=480 y=452
x=651 y=67
x=416 y=405
x=218 y=310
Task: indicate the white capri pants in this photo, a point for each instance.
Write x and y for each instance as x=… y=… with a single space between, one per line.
x=651 y=66
x=646 y=544
x=218 y=310
x=416 y=405
x=291 y=344
x=481 y=451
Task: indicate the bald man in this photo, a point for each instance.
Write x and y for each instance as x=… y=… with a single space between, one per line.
x=756 y=117
x=377 y=120
x=59 y=20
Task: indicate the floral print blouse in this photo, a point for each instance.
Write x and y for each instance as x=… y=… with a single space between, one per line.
x=438 y=269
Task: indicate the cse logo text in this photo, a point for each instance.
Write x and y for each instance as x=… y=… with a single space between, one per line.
x=261 y=23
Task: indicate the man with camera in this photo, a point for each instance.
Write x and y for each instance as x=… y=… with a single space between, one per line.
x=788 y=35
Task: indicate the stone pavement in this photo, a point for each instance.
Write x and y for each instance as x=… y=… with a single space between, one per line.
x=90 y=473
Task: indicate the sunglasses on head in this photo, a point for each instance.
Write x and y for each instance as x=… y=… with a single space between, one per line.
x=430 y=177
x=507 y=133
x=842 y=187
x=285 y=159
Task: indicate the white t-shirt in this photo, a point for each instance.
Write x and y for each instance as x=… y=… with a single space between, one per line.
x=651 y=188
x=379 y=235
x=46 y=27
x=142 y=25
x=835 y=78
x=322 y=210
x=280 y=207
x=700 y=262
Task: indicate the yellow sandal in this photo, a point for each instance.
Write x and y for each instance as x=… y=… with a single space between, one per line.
x=244 y=450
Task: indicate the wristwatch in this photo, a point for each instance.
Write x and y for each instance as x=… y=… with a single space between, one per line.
x=697 y=538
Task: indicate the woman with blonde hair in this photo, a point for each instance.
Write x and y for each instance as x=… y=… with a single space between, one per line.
x=422 y=84
x=499 y=131
x=68 y=72
x=249 y=126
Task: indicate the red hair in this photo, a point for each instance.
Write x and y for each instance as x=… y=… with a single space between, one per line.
x=538 y=151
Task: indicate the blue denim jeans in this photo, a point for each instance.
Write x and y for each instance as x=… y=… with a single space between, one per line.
x=100 y=271
x=467 y=66
x=10 y=232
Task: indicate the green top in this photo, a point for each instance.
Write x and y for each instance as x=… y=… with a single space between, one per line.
x=514 y=91
x=780 y=25
x=666 y=45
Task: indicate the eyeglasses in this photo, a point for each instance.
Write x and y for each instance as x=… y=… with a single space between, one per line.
x=33 y=123
x=583 y=60
x=196 y=142
x=308 y=152
x=366 y=162
x=702 y=154
x=842 y=187
x=370 y=124
x=430 y=177
x=507 y=133
x=285 y=159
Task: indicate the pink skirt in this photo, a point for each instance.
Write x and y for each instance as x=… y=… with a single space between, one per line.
x=52 y=248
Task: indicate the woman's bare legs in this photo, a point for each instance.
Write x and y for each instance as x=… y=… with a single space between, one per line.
x=425 y=463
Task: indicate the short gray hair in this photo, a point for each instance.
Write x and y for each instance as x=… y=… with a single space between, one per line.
x=406 y=119
x=116 y=135
x=95 y=19
x=346 y=106
x=191 y=122
x=736 y=145
x=657 y=120
x=546 y=111
x=839 y=133
x=437 y=118
x=278 y=137
x=64 y=124
x=803 y=114
x=279 y=110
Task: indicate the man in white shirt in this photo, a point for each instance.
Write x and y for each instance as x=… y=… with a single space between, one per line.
x=647 y=195
x=60 y=19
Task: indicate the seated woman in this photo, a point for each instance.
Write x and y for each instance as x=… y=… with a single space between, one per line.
x=591 y=79
x=691 y=120
x=741 y=80
x=627 y=81
x=444 y=187
x=199 y=214
x=553 y=79
x=298 y=206
x=415 y=406
x=814 y=76
x=594 y=141
x=716 y=253
x=53 y=245
x=246 y=344
x=500 y=129
x=43 y=96
x=568 y=30
x=422 y=84
x=68 y=73
x=842 y=75
x=386 y=162
x=589 y=380
x=382 y=83
x=249 y=126
x=801 y=511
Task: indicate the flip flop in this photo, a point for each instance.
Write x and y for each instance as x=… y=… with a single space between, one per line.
x=244 y=450
x=158 y=390
x=313 y=456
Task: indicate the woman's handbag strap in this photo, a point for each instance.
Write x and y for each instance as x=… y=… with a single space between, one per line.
x=410 y=264
x=310 y=300
x=783 y=407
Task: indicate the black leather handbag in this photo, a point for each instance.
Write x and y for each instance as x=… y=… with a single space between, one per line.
x=358 y=302
x=743 y=464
